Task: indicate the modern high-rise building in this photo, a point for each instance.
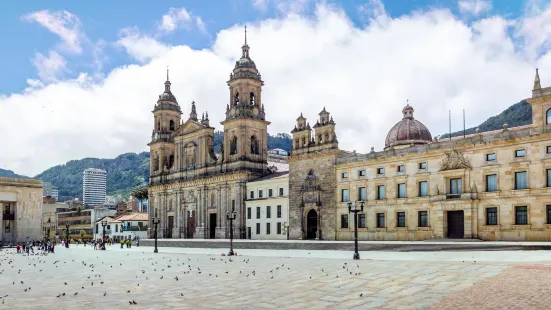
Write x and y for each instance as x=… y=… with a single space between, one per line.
x=94 y=186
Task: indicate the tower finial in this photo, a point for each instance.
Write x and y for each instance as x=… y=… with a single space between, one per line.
x=167 y=74
x=245 y=34
x=537 y=83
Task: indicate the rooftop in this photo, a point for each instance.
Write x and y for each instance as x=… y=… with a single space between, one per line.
x=134 y=217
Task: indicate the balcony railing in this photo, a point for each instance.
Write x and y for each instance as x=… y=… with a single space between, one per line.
x=453 y=196
x=134 y=228
x=8 y=216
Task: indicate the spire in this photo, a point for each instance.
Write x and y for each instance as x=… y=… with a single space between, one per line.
x=167 y=82
x=203 y=117
x=245 y=47
x=537 y=84
x=193 y=114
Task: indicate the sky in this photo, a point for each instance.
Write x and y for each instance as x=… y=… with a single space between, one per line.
x=80 y=78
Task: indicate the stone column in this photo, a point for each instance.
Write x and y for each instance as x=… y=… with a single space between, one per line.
x=176 y=208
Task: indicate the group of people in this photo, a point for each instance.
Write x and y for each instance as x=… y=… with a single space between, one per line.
x=29 y=247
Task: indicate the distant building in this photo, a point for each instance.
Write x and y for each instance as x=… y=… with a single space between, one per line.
x=20 y=205
x=278 y=156
x=129 y=226
x=94 y=187
x=50 y=207
x=81 y=220
x=132 y=204
x=267 y=206
x=49 y=190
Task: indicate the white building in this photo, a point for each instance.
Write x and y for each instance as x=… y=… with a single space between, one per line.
x=127 y=226
x=94 y=186
x=267 y=207
x=55 y=194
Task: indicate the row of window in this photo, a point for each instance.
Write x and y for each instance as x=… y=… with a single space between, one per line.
x=268 y=230
x=268 y=212
x=521 y=215
x=455 y=187
x=423 y=190
x=261 y=193
x=380 y=222
x=422 y=166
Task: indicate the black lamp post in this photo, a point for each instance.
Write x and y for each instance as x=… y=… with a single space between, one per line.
x=356 y=210
x=103 y=225
x=67 y=225
x=156 y=221
x=231 y=217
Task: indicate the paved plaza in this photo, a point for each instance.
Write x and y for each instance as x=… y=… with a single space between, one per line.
x=179 y=278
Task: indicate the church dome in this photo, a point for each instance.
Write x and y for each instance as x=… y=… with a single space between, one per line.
x=408 y=131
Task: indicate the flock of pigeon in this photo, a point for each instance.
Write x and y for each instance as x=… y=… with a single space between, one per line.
x=175 y=267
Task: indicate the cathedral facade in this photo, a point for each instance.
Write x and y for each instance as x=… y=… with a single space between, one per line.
x=192 y=189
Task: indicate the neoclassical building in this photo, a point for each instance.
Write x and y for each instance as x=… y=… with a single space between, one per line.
x=192 y=188
x=489 y=185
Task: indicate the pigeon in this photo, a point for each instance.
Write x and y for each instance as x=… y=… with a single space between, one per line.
x=181 y=294
x=75 y=293
x=361 y=295
x=104 y=293
x=63 y=294
x=135 y=303
x=58 y=296
x=128 y=291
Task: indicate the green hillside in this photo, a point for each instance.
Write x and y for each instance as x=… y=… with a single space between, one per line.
x=516 y=115
x=10 y=174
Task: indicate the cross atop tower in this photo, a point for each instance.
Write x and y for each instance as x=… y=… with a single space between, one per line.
x=245 y=34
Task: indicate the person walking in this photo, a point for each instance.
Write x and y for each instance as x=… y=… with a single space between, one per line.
x=122 y=243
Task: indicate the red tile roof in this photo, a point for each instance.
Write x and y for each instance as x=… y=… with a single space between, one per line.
x=134 y=217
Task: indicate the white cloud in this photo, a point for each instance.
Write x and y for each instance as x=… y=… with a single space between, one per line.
x=175 y=18
x=141 y=47
x=49 y=67
x=363 y=76
x=292 y=6
x=200 y=24
x=63 y=24
x=261 y=5
x=474 y=7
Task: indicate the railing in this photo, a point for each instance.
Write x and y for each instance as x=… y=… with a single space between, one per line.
x=8 y=216
x=134 y=228
x=453 y=196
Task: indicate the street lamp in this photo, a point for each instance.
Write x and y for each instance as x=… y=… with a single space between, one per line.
x=67 y=225
x=355 y=211
x=103 y=225
x=231 y=217
x=156 y=221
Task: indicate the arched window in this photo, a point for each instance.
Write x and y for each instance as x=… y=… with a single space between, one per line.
x=254 y=145
x=236 y=99
x=303 y=141
x=170 y=161
x=159 y=126
x=156 y=163
x=233 y=146
x=320 y=139
x=297 y=143
x=548 y=117
x=252 y=98
x=171 y=125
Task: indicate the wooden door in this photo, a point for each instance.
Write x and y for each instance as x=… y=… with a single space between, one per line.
x=191 y=224
x=456 y=225
x=170 y=226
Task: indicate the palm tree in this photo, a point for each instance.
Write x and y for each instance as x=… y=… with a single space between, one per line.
x=140 y=193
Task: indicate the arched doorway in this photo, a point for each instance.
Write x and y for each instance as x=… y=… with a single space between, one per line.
x=311 y=224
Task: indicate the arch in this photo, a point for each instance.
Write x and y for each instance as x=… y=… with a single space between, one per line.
x=236 y=99
x=297 y=143
x=158 y=125
x=254 y=145
x=312 y=224
x=233 y=146
x=156 y=163
x=252 y=98
x=170 y=161
x=172 y=125
x=548 y=117
x=320 y=139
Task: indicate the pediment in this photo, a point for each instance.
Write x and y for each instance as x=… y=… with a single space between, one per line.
x=454 y=160
x=191 y=126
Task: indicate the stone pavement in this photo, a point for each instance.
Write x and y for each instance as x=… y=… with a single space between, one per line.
x=181 y=280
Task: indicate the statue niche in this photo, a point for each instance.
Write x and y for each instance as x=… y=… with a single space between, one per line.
x=233 y=146
x=254 y=145
x=189 y=153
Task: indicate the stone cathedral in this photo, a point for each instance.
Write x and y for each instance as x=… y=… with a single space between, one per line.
x=191 y=187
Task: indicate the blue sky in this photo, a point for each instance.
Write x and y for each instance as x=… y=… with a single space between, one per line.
x=102 y=20
x=79 y=78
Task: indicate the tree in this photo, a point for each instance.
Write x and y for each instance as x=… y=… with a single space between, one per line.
x=140 y=192
x=82 y=233
x=79 y=208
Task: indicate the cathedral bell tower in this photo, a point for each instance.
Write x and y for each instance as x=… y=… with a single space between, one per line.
x=166 y=114
x=245 y=126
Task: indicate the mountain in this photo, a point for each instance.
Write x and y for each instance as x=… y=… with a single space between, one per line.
x=10 y=174
x=518 y=114
x=124 y=172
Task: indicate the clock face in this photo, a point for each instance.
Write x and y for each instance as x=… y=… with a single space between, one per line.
x=232 y=112
x=255 y=111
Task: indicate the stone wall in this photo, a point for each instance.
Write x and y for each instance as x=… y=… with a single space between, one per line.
x=25 y=199
x=323 y=167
